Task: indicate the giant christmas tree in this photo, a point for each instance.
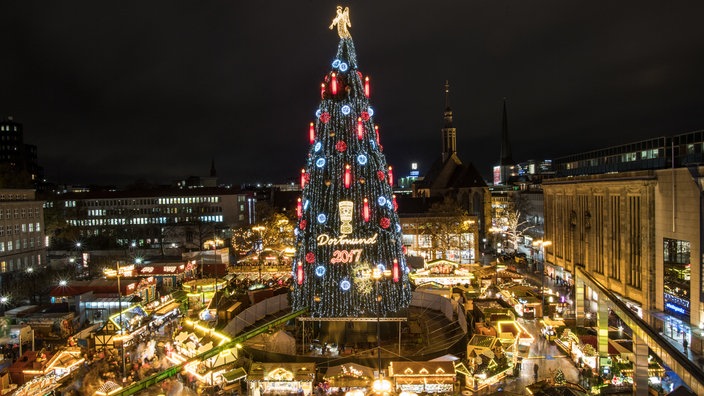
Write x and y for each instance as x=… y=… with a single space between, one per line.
x=349 y=254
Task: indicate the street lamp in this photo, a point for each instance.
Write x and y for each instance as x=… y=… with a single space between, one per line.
x=540 y=244
x=4 y=301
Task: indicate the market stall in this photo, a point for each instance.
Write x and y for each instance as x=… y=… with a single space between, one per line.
x=281 y=379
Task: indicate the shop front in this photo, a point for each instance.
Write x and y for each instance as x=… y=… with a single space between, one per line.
x=349 y=376
x=433 y=377
x=281 y=379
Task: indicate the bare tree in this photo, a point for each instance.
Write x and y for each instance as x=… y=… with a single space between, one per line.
x=445 y=226
x=516 y=226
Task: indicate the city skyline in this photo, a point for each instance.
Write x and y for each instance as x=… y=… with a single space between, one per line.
x=112 y=92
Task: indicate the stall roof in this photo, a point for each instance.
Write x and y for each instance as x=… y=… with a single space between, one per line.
x=234 y=375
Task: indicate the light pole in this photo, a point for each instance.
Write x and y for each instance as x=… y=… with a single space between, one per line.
x=122 y=325
x=259 y=247
x=541 y=247
x=81 y=263
x=380 y=386
x=378 y=275
x=62 y=284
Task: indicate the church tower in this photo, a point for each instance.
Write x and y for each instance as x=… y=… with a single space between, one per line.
x=449 y=133
x=507 y=167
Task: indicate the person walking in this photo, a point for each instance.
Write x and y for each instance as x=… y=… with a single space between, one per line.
x=685 y=343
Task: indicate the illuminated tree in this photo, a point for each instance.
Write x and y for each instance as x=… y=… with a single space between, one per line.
x=516 y=226
x=347 y=228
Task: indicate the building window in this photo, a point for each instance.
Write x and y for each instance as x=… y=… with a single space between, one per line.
x=599 y=234
x=634 y=243
x=676 y=263
x=615 y=247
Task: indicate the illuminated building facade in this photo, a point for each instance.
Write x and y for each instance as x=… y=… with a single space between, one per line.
x=22 y=244
x=631 y=216
x=184 y=218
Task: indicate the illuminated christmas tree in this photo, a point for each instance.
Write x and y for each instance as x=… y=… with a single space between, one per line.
x=349 y=246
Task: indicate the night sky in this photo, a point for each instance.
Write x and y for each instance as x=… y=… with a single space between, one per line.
x=115 y=91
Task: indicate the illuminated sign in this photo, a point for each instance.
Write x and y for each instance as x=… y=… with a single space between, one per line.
x=325 y=239
x=147 y=270
x=345 y=256
x=675 y=308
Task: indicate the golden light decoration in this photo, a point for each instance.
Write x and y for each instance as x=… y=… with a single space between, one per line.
x=342 y=20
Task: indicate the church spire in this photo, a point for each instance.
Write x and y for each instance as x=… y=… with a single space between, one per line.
x=212 y=168
x=506 y=157
x=449 y=133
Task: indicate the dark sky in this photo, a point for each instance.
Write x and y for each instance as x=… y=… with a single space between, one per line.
x=113 y=91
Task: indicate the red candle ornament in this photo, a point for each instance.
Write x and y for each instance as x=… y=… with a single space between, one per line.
x=348 y=176
x=299 y=208
x=322 y=91
x=299 y=273
x=391 y=176
x=333 y=84
x=366 y=86
x=360 y=128
x=311 y=133
x=393 y=200
x=395 y=271
x=376 y=129
x=365 y=210
x=303 y=179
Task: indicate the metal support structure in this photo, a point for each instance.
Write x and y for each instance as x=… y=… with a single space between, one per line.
x=122 y=332
x=640 y=366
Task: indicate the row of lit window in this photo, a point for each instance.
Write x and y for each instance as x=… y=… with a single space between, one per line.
x=20 y=263
x=188 y=200
x=13 y=197
x=29 y=227
x=19 y=213
x=25 y=244
x=147 y=211
x=140 y=221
